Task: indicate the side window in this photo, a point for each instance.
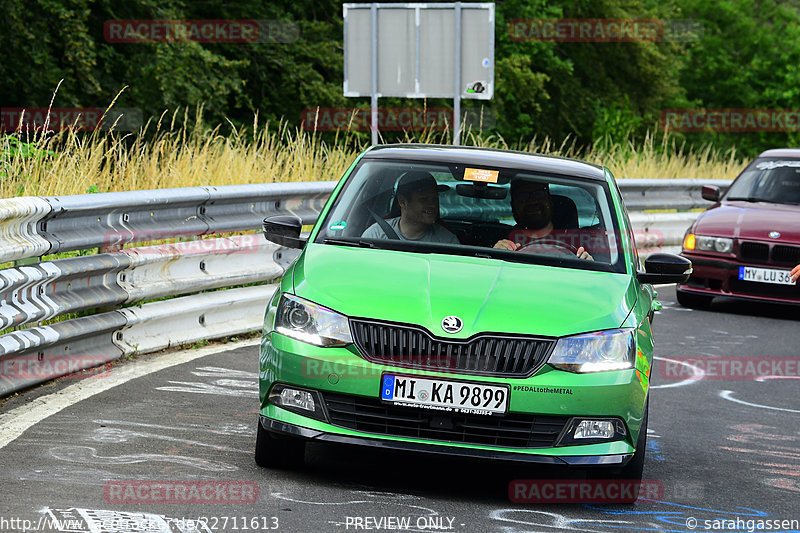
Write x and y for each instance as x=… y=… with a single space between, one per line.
x=637 y=265
x=585 y=203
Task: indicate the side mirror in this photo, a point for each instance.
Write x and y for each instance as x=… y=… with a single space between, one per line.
x=710 y=193
x=284 y=230
x=665 y=268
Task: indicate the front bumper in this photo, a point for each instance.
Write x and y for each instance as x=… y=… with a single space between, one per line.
x=550 y=394
x=291 y=430
x=713 y=276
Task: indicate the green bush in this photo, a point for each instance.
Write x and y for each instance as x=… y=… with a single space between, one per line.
x=13 y=152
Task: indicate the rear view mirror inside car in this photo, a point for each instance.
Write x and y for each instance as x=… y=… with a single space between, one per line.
x=481 y=190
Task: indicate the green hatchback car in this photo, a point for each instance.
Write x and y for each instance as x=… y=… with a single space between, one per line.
x=462 y=301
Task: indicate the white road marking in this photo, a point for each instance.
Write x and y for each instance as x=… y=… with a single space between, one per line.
x=16 y=421
x=764 y=378
x=697 y=375
x=728 y=395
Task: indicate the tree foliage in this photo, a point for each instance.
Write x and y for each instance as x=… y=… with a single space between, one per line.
x=746 y=56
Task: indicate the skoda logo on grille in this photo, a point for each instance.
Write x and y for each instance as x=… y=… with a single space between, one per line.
x=452 y=324
x=774 y=235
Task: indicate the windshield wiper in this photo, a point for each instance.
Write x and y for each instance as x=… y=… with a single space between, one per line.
x=754 y=199
x=346 y=242
x=745 y=198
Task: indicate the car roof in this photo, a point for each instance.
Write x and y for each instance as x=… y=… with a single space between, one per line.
x=479 y=157
x=781 y=152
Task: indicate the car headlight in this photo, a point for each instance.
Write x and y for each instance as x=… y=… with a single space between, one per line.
x=595 y=352
x=705 y=243
x=308 y=322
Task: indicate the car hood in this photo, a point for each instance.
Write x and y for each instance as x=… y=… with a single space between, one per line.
x=748 y=220
x=489 y=295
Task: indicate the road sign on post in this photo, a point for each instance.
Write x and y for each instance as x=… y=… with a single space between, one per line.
x=419 y=51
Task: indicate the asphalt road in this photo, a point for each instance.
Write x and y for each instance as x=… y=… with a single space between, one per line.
x=719 y=449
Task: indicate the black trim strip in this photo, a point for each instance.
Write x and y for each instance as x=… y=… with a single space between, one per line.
x=284 y=428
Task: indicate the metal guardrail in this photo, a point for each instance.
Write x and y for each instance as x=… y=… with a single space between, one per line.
x=118 y=218
x=102 y=283
x=662 y=210
x=681 y=195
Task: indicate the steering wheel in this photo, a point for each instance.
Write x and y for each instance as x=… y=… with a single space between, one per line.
x=549 y=246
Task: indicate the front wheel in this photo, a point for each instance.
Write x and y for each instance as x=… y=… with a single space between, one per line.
x=273 y=451
x=631 y=472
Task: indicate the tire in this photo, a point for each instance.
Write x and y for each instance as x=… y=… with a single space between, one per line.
x=273 y=451
x=692 y=300
x=633 y=470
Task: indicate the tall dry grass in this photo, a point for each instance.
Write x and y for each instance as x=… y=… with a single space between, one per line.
x=164 y=154
x=171 y=157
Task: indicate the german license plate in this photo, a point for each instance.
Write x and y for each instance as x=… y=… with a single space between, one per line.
x=765 y=275
x=444 y=395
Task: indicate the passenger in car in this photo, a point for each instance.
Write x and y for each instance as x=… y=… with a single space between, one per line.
x=532 y=207
x=418 y=197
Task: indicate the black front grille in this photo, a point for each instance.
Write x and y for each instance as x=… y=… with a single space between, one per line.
x=485 y=354
x=754 y=251
x=772 y=290
x=515 y=430
x=787 y=255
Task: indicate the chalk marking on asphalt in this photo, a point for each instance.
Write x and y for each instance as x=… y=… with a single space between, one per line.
x=728 y=395
x=283 y=496
x=107 y=434
x=558 y=521
x=88 y=455
x=16 y=421
x=697 y=375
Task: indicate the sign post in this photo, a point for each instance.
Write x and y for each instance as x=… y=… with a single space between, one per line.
x=419 y=51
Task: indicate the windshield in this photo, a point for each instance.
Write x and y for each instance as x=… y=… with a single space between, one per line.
x=498 y=213
x=768 y=180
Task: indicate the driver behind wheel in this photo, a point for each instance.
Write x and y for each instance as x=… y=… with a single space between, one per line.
x=418 y=197
x=532 y=208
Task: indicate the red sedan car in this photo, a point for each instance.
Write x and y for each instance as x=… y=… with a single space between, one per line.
x=745 y=245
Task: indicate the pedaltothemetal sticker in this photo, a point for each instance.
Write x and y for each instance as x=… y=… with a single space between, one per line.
x=546 y=390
